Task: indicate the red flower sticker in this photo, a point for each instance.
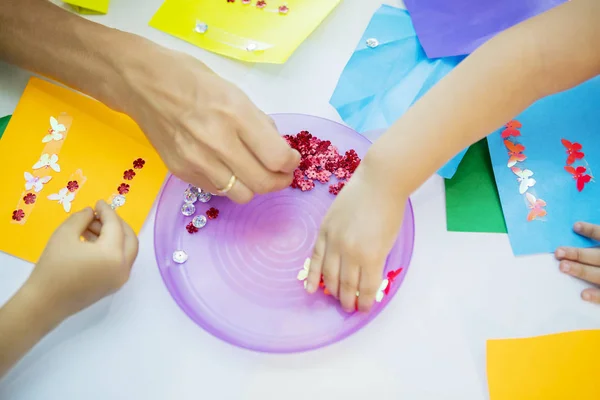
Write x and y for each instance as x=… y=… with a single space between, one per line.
x=261 y=4
x=123 y=188
x=139 y=163
x=18 y=215
x=29 y=198
x=573 y=150
x=579 y=174
x=212 y=213
x=72 y=186
x=191 y=228
x=129 y=174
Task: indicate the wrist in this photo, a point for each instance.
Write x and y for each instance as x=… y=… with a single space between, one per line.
x=39 y=310
x=384 y=171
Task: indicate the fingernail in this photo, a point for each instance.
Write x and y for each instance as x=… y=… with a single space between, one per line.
x=586 y=296
x=578 y=227
x=310 y=288
x=560 y=253
x=565 y=267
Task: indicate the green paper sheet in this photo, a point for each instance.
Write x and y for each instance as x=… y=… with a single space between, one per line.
x=472 y=202
x=3 y=124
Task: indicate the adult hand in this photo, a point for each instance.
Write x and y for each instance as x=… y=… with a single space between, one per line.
x=583 y=263
x=355 y=238
x=72 y=272
x=205 y=129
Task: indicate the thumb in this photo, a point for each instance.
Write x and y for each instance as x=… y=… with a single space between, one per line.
x=77 y=223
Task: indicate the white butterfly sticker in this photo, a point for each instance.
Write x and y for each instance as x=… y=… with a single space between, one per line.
x=34 y=182
x=524 y=178
x=46 y=161
x=303 y=274
x=381 y=291
x=55 y=132
x=64 y=197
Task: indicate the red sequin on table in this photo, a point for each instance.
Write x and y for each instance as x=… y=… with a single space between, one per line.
x=72 y=186
x=29 y=198
x=128 y=175
x=212 y=213
x=320 y=160
x=231 y=1
x=283 y=9
x=18 y=215
x=139 y=163
x=261 y=4
x=191 y=228
x=123 y=188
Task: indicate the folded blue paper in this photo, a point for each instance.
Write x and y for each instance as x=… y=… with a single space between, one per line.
x=572 y=115
x=380 y=83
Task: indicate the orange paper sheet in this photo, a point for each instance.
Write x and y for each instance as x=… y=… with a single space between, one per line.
x=98 y=145
x=562 y=366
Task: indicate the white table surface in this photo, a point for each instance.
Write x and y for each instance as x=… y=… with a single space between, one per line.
x=429 y=343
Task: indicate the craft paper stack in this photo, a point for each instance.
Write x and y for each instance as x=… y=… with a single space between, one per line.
x=248 y=30
x=386 y=74
x=553 y=367
x=63 y=152
x=545 y=164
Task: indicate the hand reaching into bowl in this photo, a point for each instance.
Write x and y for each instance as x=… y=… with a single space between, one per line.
x=206 y=130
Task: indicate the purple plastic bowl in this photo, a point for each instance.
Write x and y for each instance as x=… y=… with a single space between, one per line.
x=240 y=283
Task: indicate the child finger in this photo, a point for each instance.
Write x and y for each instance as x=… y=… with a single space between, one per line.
x=95 y=227
x=592 y=295
x=588 y=230
x=79 y=221
x=112 y=229
x=316 y=263
x=331 y=271
x=89 y=236
x=368 y=287
x=581 y=271
x=349 y=277
x=584 y=256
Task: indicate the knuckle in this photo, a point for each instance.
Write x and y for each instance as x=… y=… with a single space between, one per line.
x=263 y=184
x=348 y=285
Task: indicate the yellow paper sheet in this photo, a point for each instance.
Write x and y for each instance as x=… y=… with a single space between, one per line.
x=563 y=366
x=89 y=6
x=98 y=146
x=234 y=26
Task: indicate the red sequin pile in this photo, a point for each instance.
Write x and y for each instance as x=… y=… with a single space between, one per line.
x=212 y=213
x=320 y=160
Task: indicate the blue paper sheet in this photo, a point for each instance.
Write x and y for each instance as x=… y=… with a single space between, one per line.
x=379 y=84
x=571 y=115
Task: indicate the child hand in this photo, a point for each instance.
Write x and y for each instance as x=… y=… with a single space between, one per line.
x=583 y=263
x=355 y=239
x=87 y=258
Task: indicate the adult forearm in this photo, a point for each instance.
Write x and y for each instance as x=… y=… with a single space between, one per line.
x=546 y=54
x=42 y=37
x=24 y=321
